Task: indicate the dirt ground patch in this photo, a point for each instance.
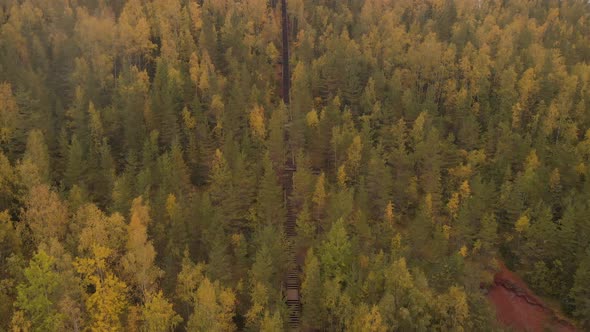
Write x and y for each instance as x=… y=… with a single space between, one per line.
x=517 y=306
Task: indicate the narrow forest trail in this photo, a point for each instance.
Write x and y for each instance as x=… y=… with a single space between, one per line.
x=292 y=280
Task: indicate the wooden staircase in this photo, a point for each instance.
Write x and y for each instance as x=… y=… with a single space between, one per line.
x=293 y=303
x=292 y=281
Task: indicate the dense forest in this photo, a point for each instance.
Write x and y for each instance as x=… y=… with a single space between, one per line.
x=142 y=151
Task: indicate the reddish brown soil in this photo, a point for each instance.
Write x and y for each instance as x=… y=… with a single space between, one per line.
x=517 y=306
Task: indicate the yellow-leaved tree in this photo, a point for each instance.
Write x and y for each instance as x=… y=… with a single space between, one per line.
x=138 y=262
x=105 y=295
x=214 y=308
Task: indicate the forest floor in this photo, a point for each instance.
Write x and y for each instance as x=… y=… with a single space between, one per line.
x=300 y=257
x=519 y=308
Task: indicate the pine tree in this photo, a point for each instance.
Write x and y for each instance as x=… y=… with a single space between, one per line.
x=488 y=234
x=580 y=289
x=164 y=103
x=132 y=98
x=336 y=251
x=378 y=183
x=10 y=194
x=270 y=196
x=276 y=137
x=37 y=154
x=302 y=182
x=124 y=189
x=37 y=296
x=9 y=116
x=271 y=323
x=311 y=292
x=177 y=239
x=453 y=309
x=221 y=184
x=219 y=260
x=76 y=164
x=187 y=282
x=159 y=314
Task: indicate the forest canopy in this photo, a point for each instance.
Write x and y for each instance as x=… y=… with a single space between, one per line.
x=143 y=147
